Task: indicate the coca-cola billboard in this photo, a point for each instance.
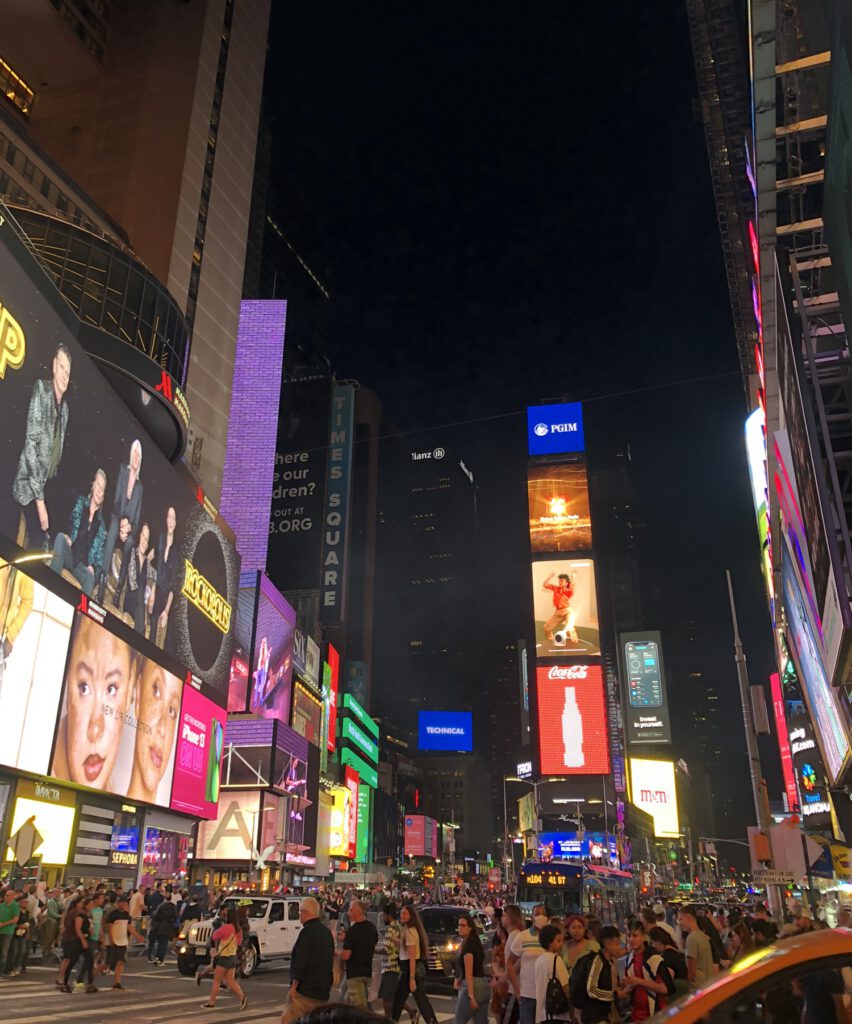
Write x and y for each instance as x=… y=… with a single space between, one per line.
x=572 y=712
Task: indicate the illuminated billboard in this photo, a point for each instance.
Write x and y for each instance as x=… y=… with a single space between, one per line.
x=565 y=608
x=572 y=720
x=275 y=625
x=555 y=429
x=560 y=519
x=420 y=836
x=307 y=714
x=332 y=690
x=53 y=810
x=82 y=480
x=653 y=790
x=646 y=705
x=445 y=730
x=35 y=626
x=821 y=698
x=232 y=836
x=198 y=760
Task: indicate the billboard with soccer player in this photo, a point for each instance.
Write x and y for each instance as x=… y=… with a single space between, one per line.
x=565 y=608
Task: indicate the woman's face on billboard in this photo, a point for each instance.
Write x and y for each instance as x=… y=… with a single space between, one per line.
x=100 y=685
x=158 y=708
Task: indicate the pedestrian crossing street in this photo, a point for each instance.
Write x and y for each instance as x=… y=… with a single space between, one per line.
x=151 y=997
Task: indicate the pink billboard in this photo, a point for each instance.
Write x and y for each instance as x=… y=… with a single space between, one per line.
x=415 y=835
x=195 y=788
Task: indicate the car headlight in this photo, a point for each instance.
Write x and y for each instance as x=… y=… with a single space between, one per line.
x=452 y=945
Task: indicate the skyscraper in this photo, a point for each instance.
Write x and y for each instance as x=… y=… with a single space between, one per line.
x=150 y=111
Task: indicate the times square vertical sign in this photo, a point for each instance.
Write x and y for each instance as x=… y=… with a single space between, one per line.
x=336 y=512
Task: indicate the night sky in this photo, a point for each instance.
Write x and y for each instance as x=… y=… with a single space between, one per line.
x=515 y=204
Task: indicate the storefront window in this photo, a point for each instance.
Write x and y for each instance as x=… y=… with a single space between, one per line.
x=164 y=857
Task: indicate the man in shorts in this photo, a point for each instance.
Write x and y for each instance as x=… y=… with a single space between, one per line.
x=119 y=928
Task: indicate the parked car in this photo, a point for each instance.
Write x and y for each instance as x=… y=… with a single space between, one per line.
x=275 y=926
x=442 y=931
x=771 y=983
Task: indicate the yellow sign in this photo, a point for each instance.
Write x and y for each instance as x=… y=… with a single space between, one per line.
x=13 y=345
x=653 y=789
x=201 y=592
x=338 y=844
x=841 y=861
x=54 y=822
x=546 y=879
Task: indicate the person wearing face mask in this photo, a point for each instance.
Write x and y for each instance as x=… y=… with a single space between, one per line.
x=99 y=686
x=157 y=711
x=522 y=951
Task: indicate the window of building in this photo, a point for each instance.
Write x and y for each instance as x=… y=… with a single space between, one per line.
x=15 y=89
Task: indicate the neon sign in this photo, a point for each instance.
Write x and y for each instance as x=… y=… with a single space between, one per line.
x=201 y=593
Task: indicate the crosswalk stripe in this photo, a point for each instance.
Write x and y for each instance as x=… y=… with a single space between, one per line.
x=119 y=1007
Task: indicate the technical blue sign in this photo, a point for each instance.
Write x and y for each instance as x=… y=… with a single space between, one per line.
x=555 y=429
x=445 y=730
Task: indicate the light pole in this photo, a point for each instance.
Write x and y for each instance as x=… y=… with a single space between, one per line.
x=528 y=782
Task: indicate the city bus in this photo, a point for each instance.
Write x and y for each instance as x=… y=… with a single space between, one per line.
x=604 y=893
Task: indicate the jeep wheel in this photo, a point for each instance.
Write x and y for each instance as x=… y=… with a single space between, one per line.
x=251 y=960
x=186 y=966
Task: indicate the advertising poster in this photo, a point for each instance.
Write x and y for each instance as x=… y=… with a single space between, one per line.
x=118 y=718
x=338 y=840
x=560 y=519
x=808 y=769
x=83 y=482
x=358 y=682
x=35 y=627
x=565 y=608
x=198 y=763
x=244 y=615
x=333 y=688
x=291 y=777
x=653 y=790
x=780 y=714
x=415 y=835
x=555 y=429
x=272 y=673
x=645 y=684
x=307 y=715
x=53 y=810
x=572 y=720
x=231 y=835
x=445 y=730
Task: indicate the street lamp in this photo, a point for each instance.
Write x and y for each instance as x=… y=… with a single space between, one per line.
x=528 y=782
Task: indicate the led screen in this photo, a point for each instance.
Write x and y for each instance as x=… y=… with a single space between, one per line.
x=555 y=429
x=118 y=718
x=81 y=480
x=572 y=720
x=646 y=705
x=275 y=625
x=565 y=608
x=560 y=519
x=653 y=790
x=307 y=714
x=445 y=730
x=35 y=626
x=198 y=762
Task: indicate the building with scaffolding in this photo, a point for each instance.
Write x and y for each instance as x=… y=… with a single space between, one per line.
x=774 y=84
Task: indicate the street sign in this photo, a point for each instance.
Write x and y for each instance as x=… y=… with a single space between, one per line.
x=25 y=842
x=772 y=876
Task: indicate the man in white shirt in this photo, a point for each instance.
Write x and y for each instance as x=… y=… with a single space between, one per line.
x=522 y=951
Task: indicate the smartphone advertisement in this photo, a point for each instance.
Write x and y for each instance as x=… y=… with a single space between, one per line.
x=565 y=608
x=572 y=720
x=198 y=760
x=647 y=709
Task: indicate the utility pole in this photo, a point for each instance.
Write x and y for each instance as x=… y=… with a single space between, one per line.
x=758 y=783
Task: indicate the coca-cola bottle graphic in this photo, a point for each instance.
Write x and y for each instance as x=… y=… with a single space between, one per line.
x=572 y=731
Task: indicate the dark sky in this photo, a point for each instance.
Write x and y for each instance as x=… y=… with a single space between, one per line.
x=515 y=203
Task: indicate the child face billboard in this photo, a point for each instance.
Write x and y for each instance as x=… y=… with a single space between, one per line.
x=565 y=608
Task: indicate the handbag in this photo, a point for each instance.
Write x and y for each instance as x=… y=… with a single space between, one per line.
x=555 y=1000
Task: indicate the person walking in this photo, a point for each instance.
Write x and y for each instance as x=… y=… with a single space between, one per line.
x=227 y=938
x=119 y=926
x=161 y=931
x=50 y=923
x=357 y=955
x=522 y=951
x=412 y=977
x=311 y=964
x=389 y=943
x=546 y=969
x=20 y=950
x=9 y=913
x=471 y=983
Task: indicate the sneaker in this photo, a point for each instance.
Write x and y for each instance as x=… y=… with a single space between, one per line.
x=118 y=985
x=208 y=1006
x=64 y=988
x=14 y=974
x=244 y=1002
x=91 y=988
x=198 y=978
x=159 y=963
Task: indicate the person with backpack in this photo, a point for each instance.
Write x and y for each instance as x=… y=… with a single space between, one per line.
x=645 y=976
x=593 y=988
x=551 y=978
x=161 y=931
x=673 y=960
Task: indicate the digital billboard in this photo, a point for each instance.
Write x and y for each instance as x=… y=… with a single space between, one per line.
x=198 y=762
x=232 y=834
x=572 y=720
x=82 y=481
x=653 y=790
x=272 y=670
x=445 y=730
x=808 y=769
x=821 y=698
x=555 y=429
x=419 y=836
x=307 y=714
x=779 y=709
x=646 y=704
x=35 y=626
x=565 y=608
x=290 y=776
x=118 y=718
x=560 y=518
x=333 y=662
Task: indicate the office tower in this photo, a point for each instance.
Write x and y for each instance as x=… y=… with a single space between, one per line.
x=150 y=111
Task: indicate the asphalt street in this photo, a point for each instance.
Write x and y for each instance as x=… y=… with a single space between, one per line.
x=152 y=995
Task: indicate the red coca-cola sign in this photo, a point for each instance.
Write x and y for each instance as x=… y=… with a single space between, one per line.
x=572 y=720
x=569 y=671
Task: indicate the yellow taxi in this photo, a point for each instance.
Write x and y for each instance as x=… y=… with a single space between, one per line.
x=772 y=984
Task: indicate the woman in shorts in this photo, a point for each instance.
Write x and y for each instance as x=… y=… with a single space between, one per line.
x=228 y=938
